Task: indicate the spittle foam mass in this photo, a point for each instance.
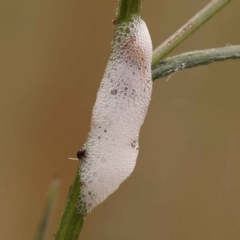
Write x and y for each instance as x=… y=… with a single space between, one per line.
x=109 y=155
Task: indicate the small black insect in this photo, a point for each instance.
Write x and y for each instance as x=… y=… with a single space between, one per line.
x=134 y=144
x=81 y=153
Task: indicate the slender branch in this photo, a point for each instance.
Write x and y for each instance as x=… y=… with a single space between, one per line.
x=187 y=29
x=193 y=59
x=127 y=9
x=47 y=212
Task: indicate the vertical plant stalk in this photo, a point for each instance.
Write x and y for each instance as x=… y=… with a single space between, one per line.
x=127 y=9
x=47 y=212
x=72 y=221
x=187 y=29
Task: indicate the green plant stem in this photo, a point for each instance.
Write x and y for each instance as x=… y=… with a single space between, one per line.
x=48 y=209
x=193 y=59
x=72 y=221
x=187 y=29
x=127 y=9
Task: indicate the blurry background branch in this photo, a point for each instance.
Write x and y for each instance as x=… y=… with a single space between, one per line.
x=49 y=207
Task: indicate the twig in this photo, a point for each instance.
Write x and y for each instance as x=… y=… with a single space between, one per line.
x=187 y=29
x=193 y=59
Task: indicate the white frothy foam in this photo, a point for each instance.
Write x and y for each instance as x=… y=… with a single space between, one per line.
x=122 y=101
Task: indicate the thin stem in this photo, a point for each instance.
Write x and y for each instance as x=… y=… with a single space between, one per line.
x=187 y=29
x=127 y=9
x=47 y=212
x=72 y=221
x=194 y=59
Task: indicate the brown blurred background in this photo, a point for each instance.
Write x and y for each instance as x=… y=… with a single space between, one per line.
x=186 y=185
